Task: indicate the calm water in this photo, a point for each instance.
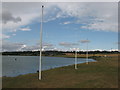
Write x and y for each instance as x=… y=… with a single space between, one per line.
x=18 y=65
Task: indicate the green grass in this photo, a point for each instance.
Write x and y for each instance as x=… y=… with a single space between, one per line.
x=100 y=74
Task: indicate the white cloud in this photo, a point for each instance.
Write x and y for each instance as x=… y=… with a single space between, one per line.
x=114 y=50
x=12 y=46
x=3 y=36
x=12 y=27
x=26 y=12
x=84 y=41
x=96 y=16
x=67 y=22
x=68 y=44
x=46 y=46
x=15 y=46
x=25 y=29
x=9 y=46
x=74 y=49
x=102 y=26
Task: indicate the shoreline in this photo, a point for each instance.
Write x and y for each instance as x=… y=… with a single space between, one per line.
x=51 y=68
x=90 y=57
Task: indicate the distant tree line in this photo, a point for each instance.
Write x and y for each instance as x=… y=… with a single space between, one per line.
x=53 y=53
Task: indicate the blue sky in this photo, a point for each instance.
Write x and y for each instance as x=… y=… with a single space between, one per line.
x=65 y=26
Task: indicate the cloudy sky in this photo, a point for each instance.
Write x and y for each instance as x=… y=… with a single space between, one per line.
x=66 y=25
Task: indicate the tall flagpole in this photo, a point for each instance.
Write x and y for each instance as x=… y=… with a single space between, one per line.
x=75 y=59
x=87 y=54
x=40 y=65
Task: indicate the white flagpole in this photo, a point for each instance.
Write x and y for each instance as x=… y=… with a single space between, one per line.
x=75 y=59
x=87 y=54
x=40 y=73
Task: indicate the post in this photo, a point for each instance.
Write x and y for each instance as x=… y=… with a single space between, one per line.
x=87 y=55
x=76 y=59
x=40 y=65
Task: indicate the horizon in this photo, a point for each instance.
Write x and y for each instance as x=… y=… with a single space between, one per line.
x=67 y=51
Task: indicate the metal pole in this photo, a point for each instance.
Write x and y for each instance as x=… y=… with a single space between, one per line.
x=40 y=73
x=76 y=59
x=87 y=55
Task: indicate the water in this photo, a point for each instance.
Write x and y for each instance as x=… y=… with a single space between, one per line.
x=17 y=65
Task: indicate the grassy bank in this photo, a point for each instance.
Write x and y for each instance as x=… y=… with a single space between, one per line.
x=100 y=74
x=89 y=55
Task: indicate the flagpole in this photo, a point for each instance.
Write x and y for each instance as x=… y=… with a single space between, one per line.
x=40 y=65
x=87 y=54
x=75 y=59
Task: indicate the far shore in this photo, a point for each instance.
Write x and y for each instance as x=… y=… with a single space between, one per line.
x=73 y=56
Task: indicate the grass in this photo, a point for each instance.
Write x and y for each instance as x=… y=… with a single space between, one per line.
x=100 y=74
x=89 y=55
